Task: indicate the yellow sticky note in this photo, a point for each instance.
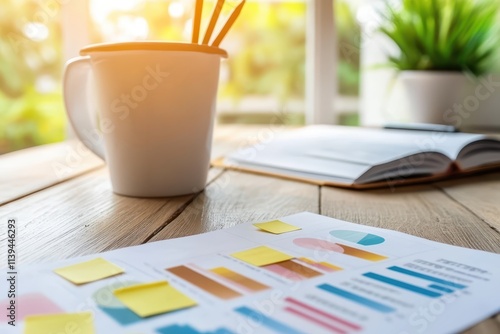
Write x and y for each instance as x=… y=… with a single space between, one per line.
x=82 y=323
x=89 y=271
x=261 y=256
x=277 y=227
x=153 y=298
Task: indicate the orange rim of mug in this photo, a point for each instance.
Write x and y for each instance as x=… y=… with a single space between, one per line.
x=152 y=46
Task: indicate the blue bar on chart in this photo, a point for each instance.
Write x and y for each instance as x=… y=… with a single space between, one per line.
x=403 y=285
x=186 y=329
x=266 y=321
x=356 y=298
x=426 y=277
x=440 y=288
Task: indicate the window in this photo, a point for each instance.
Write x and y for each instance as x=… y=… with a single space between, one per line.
x=31 y=107
x=268 y=72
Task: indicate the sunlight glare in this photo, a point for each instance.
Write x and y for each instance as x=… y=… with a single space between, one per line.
x=176 y=9
x=100 y=9
x=37 y=32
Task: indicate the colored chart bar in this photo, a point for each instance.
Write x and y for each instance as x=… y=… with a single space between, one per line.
x=239 y=279
x=318 y=244
x=221 y=331
x=292 y=270
x=266 y=321
x=177 y=329
x=186 y=329
x=403 y=285
x=321 y=313
x=325 y=266
x=299 y=269
x=283 y=272
x=305 y=316
x=204 y=283
x=362 y=254
x=330 y=266
x=440 y=288
x=356 y=298
x=427 y=277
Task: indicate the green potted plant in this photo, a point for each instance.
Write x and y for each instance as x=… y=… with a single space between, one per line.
x=439 y=42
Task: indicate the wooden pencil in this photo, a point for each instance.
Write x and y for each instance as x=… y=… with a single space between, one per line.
x=229 y=24
x=213 y=21
x=197 y=21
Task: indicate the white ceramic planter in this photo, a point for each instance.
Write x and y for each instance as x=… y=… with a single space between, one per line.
x=481 y=103
x=432 y=96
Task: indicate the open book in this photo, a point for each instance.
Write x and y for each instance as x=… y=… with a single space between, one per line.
x=367 y=158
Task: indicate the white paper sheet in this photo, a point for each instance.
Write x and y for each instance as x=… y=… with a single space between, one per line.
x=420 y=287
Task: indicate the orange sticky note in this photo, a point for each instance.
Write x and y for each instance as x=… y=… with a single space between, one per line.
x=261 y=256
x=89 y=271
x=82 y=323
x=153 y=298
x=276 y=227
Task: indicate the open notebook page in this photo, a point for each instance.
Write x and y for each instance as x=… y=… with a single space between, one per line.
x=346 y=153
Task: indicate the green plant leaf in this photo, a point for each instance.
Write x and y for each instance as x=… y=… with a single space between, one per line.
x=443 y=35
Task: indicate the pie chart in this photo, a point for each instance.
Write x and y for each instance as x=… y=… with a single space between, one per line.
x=360 y=238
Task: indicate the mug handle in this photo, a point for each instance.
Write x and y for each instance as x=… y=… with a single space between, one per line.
x=76 y=95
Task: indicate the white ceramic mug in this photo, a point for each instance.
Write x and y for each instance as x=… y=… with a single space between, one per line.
x=155 y=106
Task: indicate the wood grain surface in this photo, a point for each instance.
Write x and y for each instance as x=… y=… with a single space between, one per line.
x=237 y=197
x=479 y=194
x=26 y=171
x=423 y=211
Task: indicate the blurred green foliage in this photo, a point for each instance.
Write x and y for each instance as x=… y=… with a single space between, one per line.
x=443 y=35
x=31 y=108
x=348 y=44
x=273 y=59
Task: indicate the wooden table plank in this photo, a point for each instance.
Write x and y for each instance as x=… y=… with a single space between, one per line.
x=229 y=138
x=237 y=197
x=480 y=194
x=26 y=171
x=488 y=326
x=83 y=216
x=423 y=211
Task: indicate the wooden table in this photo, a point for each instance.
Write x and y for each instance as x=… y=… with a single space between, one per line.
x=61 y=196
